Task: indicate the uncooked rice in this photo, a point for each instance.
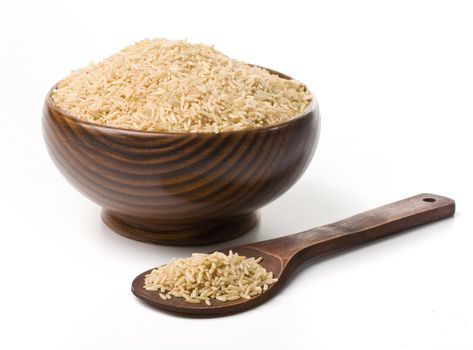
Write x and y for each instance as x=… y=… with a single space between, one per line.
x=174 y=86
x=207 y=277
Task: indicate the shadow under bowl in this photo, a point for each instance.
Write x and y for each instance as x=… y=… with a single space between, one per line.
x=180 y=188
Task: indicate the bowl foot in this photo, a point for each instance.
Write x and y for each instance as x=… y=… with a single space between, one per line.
x=199 y=234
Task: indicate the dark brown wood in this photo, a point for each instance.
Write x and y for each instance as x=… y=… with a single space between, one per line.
x=283 y=255
x=180 y=188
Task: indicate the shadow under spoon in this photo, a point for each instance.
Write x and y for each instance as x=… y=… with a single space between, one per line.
x=283 y=255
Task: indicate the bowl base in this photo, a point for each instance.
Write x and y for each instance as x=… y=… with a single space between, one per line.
x=200 y=234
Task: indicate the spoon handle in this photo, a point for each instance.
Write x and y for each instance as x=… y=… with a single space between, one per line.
x=361 y=228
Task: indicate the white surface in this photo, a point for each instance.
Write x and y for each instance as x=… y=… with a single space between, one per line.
x=394 y=82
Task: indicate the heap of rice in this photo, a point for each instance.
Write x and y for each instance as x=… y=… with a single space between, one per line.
x=203 y=277
x=175 y=86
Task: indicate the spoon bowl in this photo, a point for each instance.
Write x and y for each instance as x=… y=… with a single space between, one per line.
x=179 y=305
x=283 y=255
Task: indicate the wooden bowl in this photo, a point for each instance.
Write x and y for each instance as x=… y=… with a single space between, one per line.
x=180 y=188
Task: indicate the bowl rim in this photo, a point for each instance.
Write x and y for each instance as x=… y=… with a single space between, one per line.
x=311 y=108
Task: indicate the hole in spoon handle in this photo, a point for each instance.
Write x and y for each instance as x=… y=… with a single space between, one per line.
x=371 y=225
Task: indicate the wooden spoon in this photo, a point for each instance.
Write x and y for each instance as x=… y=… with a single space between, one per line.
x=283 y=255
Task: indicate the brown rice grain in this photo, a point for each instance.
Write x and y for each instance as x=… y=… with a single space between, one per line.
x=174 y=86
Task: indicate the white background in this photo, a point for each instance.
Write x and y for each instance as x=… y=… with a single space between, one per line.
x=395 y=85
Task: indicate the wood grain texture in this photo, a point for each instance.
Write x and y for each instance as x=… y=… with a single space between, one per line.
x=283 y=255
x=180 y=188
